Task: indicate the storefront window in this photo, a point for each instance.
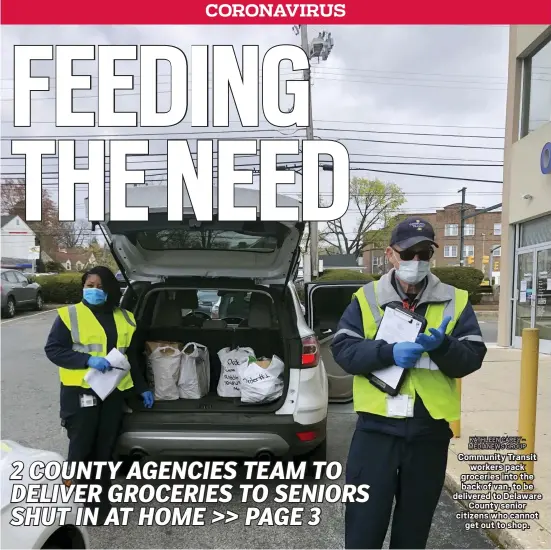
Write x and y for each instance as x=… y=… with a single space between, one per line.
x=536 y=231
x=537 y=86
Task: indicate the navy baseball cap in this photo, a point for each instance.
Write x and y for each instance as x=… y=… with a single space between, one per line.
x=412 y=231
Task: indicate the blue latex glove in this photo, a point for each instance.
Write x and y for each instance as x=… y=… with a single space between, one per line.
x=99 y=363
x=406 y=354
x=148 y=399
x=430 y=343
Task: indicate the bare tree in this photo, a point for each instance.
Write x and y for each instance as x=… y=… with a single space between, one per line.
x=375 y=202
x=72 y=234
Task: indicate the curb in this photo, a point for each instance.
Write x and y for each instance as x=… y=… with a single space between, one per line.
x=503 y=537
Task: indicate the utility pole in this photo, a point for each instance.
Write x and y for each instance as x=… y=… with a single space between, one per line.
x=314 y=262
x=320 y=47
x=463 y=192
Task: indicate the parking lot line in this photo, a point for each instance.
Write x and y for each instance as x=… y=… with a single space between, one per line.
x=26 y=316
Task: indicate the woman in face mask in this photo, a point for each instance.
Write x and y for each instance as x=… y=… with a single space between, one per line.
x=80 y=338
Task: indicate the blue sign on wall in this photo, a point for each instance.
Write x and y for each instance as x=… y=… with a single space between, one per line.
x=545 y=161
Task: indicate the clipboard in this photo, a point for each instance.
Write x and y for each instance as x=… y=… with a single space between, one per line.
x=397 y=325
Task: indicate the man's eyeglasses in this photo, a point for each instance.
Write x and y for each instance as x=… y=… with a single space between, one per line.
x=425 y=254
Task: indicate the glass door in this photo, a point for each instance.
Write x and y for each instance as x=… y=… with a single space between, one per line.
x=533 y=296
x=524 y=312
x=543 y=299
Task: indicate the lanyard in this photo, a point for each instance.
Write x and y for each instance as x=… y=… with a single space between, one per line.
x=408 y=306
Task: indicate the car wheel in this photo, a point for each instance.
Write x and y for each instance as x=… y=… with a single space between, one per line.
x=39 y=302
x=9 y=311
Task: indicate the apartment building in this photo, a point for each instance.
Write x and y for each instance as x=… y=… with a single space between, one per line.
x=525 y=297
x=482 y=241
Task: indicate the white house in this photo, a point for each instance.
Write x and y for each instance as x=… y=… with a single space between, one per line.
x=17 y=239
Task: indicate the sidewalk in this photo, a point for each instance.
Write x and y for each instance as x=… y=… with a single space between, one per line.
x=490 y=408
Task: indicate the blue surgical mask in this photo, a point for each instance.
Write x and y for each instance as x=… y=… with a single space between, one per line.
x=94 y=296
x=412 y=272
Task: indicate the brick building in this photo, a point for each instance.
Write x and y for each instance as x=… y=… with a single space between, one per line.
x=482 y=234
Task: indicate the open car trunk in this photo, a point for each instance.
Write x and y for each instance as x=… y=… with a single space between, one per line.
x=258 y=257
x=263 y=322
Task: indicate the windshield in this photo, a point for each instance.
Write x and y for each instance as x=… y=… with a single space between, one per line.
x=192 y=239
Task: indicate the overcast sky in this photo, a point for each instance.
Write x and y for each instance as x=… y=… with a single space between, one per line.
x=426 y=80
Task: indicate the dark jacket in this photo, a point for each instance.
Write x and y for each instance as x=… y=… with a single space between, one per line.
x=461 y=353
x=59 y=346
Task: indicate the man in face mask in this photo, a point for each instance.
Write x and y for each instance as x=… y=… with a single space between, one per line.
x=401 y=451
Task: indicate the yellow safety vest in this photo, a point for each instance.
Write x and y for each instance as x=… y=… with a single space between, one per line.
x=437 y=390
x=89 y=337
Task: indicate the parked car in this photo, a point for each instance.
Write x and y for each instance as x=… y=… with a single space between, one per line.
x=254 y=258
x=207 y=299
x=68 y=535
x=18 y=293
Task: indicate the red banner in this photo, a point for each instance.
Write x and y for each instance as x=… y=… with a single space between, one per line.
x=247 y=12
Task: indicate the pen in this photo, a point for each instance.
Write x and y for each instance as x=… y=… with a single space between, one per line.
x=118 y=368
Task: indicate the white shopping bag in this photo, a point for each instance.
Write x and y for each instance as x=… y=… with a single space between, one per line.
x=165 y=366
x=231 y=360
x=194 y=380
x=261 y=381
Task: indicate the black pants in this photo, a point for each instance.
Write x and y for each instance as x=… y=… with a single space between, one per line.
x=92 y=431
x=408 y=470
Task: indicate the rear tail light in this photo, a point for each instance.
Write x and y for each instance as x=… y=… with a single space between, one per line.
x=310 y=352
x=307 y=436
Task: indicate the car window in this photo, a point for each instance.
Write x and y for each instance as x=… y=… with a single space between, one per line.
x=4 y=278
x=21 y=278
x=10 y=277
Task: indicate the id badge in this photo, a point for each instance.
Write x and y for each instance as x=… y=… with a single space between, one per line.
x=88 y=401
x=400 y=406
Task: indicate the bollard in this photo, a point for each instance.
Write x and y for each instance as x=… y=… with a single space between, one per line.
x=528 y=393
x=456 y=424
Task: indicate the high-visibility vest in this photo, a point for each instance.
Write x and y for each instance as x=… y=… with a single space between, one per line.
x=437 y=390
x=89 y=337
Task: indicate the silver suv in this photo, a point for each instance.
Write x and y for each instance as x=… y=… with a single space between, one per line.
x=172 y=265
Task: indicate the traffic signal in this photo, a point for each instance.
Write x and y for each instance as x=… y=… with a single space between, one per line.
x=470 y=260
x=496 y=266
x=485 y=259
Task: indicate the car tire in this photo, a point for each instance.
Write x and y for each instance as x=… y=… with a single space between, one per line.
x=39 y=305
x=9 y=310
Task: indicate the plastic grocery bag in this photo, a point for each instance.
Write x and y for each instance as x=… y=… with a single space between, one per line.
x=231 y=360
x=194 y=380
x=261 y=380
x=164 y=362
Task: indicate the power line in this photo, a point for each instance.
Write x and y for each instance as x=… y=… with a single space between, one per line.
x=165 y=137
x=138 y=160
x=165 y=170
x=340 y=122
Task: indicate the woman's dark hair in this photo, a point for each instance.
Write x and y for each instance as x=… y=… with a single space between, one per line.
x=108 y=282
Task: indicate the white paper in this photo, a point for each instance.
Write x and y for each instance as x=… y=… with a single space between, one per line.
x=522 y=297
x=395 y=327
x=548 y=284
x=523 y=284
x=103 y=383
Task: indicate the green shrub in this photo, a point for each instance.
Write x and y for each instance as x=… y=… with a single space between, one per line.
x=466 y=278
x=65 y=288
x=337 y=275
x=344 y=275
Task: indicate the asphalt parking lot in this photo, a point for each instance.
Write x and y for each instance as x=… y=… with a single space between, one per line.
x=30 y=394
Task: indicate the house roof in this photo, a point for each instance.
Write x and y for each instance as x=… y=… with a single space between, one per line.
x=338 y=260
x=7 y=219
x=73 y=256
